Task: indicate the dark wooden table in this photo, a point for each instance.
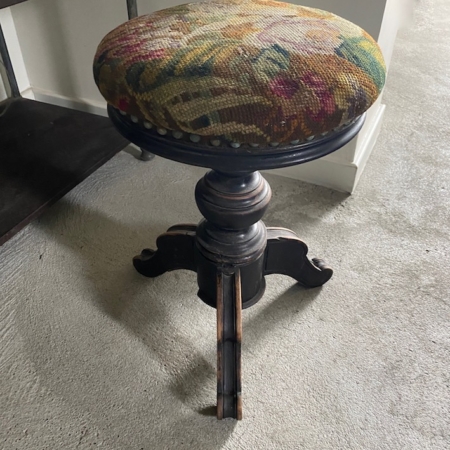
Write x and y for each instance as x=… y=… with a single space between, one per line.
x=45 y=151
x=6 y=3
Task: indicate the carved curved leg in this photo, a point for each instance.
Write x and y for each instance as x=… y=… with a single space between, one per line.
x=146 y=156
x=286 y=254
x=176 y=250
x=183 y=227
x=229 y=336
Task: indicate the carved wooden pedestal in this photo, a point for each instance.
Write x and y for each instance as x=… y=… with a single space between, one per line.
x=231 y=250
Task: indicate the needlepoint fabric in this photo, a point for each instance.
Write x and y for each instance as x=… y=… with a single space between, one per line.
x=248 y=71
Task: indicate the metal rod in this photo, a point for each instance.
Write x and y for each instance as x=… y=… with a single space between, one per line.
x=8 y=66
x=132 y=9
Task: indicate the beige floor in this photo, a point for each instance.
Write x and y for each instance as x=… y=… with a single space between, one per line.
x=93 y=355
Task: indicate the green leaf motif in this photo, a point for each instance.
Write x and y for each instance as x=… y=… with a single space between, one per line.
x=357 y=51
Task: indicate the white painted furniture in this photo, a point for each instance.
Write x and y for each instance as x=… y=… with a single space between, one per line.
x=342 y=169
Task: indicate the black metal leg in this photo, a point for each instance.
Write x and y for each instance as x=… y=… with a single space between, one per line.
x=4 y=55
x=132 y=9
x=286 y=254
x=176 y=250
x=229 y=336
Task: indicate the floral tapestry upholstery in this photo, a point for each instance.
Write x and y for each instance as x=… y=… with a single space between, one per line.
x=244 y=71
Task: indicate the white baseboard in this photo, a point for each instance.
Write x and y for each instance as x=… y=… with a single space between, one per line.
x=90 y=106
x=28 y=93
x=332 y=173
x=322 y=172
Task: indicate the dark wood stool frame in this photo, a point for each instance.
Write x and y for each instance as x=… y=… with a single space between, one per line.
x=231 y=250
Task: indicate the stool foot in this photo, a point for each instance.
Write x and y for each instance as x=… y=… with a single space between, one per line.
x=229 y=336
x=146 y=156
x=176 y=250
x=286 y=254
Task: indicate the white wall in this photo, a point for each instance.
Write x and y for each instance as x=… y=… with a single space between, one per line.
x=58 y=39
x=398 y=13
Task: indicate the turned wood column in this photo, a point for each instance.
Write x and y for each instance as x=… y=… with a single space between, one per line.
x=232 y=234
x=231 y=243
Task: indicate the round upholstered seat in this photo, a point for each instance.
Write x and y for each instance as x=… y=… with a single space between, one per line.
x=240 y=72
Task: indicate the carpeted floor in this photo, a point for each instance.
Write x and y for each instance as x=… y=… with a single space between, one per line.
x=94 y=355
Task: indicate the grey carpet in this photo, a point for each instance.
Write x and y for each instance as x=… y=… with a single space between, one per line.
x=93 y=355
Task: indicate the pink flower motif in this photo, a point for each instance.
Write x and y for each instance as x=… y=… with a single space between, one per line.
x=156 y=54
x=327 y=101
x=123 y=104
x=320 y=89
x=283 y=86
x=313 y=81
